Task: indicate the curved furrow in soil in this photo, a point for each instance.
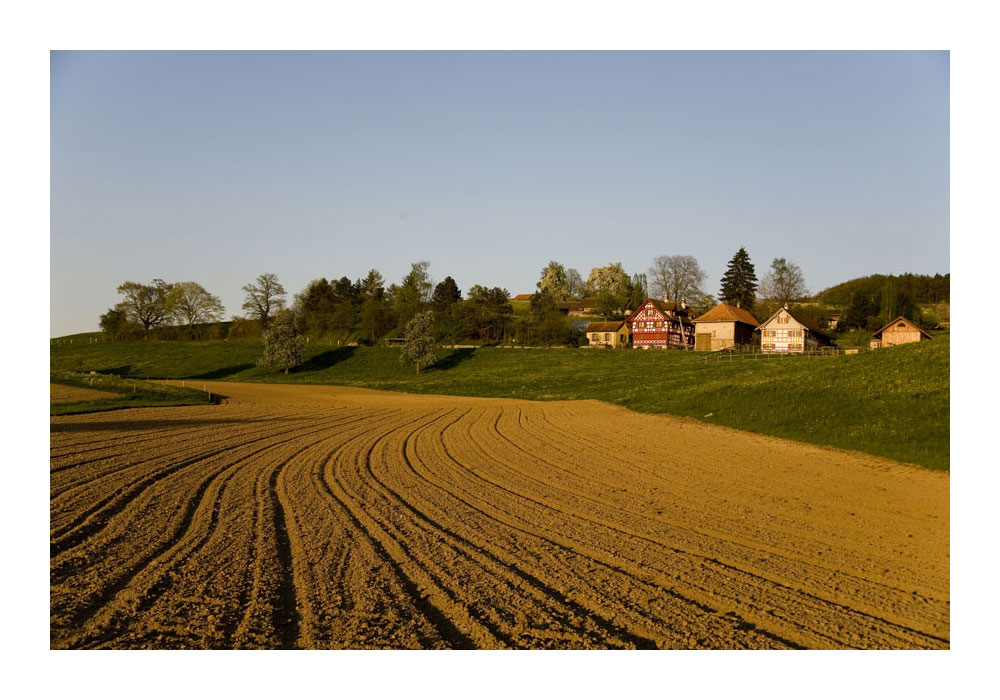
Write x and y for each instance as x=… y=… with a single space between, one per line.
x=179 y=441
x=90 y=520
x=362 y=597
x=114 y=538
x=134 y=591
x=612 y=615
x=769 y=593
x=507 y=586
x=117 y=472
x=281 y=609
x=598 y=578
x=442 y=604
x=825 y=580
x=351 y=596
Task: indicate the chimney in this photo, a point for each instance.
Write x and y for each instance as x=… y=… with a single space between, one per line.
x=666 y=298
x=684 y=303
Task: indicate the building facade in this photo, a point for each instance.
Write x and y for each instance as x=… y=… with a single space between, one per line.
x=898 y=332
x=657 y=324
x=611 y=334
x=783 y=333
x=724 y=327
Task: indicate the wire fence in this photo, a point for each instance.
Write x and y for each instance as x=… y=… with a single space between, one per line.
x=737 y=356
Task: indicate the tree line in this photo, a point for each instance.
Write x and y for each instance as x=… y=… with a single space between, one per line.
x=367 y=309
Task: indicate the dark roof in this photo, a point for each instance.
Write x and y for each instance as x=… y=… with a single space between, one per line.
x=878 y=333
x=808 y=325
x=726 y=312
x=604 y=326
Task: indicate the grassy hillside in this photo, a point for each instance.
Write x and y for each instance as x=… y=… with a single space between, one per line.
x=131 y=393
x=893 y=403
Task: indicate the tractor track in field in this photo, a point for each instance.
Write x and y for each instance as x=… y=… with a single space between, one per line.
x=308 y=517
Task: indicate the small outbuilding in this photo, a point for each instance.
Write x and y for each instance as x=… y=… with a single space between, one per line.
x=783 y=333
x=612 y=334
x=723 y=327
x=898 y=332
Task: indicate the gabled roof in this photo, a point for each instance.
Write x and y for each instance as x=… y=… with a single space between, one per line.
x=604 y=326
x=523 y=297
x=808 y=326
x=878 y=333
x=726 y=312
x=669 y=311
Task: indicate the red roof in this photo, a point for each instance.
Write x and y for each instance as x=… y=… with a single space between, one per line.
x=523 y=297
x=725 y=312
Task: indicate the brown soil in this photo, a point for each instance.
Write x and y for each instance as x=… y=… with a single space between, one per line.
x=325 y=517
x=59 y=393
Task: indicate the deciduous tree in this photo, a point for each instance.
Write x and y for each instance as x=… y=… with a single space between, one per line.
x=554 y=281
x=676 y=277
x=418 y=346
x=283 y=345
x=146 y=304
x=191 y=303
x=263 y=297
x=784 y=282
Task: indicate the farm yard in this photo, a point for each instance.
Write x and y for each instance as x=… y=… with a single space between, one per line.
x=330 y=517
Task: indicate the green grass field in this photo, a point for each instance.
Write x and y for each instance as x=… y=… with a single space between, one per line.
x=132 y=393
x=893 y=403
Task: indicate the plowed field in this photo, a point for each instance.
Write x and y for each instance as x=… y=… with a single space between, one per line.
x=325 y=517
x=60 y=393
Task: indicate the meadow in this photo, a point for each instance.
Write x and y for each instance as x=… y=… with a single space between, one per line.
x=892 y=403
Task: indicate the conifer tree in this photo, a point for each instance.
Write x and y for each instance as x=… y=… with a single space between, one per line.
x=739 y=283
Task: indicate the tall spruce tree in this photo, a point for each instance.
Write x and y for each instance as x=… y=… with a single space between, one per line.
x=739 y=284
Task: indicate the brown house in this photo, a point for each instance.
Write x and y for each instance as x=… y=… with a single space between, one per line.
x=899 y=332
x=612 y=334
x=724 y=326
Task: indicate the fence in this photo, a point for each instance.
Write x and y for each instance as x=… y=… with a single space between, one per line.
x=724 y=356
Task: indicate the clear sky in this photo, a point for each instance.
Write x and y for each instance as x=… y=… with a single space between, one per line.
x=218 y=166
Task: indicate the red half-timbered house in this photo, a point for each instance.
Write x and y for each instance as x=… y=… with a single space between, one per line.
x=658 y=324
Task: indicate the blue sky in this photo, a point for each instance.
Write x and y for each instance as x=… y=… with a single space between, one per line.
x=218 y=166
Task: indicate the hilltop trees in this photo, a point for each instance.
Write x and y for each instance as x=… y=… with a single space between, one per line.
x=413 y=295
x=146 y=304
x=418 y=346
x=191 y=303
x=739 y=283
x=554 y=281
x=283 y=345
x=676 y=277
x=783 y=283
x=264 y=296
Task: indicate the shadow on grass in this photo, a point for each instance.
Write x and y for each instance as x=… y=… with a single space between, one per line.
x=454 y=359
x=324 y=360
x=120 y=371
x=223 y=372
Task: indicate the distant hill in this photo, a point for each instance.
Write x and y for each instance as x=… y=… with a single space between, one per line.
x=921 y=289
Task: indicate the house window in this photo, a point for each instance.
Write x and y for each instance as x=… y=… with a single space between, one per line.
x=900 y=325
x=607 y=337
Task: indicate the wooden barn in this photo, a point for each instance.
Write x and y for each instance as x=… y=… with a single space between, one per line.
x=899 y=332
x=658 y=324
x=612 y=334
x=724 y=326
x=785 y=333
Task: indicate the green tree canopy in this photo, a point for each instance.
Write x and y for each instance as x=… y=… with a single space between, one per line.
x=739 y=283
x=283 y=345
x=418 y=346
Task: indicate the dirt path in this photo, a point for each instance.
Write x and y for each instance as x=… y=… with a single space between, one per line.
x=327 y=517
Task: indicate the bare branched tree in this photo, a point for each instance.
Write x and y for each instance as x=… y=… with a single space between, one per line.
x=784 y=282
x=676 y=277
x=264 y=296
